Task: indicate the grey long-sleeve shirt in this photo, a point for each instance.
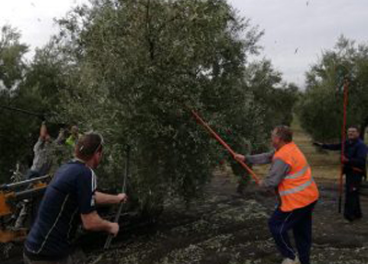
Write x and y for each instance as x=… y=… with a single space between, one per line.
x=277 y=172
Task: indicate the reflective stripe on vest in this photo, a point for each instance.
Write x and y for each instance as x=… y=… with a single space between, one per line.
x=297 y=189
x=297 y=174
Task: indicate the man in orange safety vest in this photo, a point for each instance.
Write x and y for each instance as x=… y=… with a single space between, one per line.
x=290 y=175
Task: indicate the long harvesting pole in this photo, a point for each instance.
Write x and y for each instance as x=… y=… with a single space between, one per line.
x=343 y=139
x=120 y=210
x=224 y=144
x=26 y=112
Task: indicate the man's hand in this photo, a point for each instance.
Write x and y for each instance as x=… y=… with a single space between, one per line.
x=122 y=198
x=344 y=160
x=43 y=131
x=114 y=229
x=240 y=157
x=317 y=144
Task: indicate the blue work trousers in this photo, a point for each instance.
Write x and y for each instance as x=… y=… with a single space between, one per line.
x=300 y=222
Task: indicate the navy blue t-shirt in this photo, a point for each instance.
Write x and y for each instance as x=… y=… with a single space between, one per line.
x=70 y=193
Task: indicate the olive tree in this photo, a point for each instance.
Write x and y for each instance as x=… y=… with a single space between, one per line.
x=136 y=69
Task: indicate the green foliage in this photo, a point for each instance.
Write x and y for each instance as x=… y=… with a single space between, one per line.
x=15 y=128
x=16 y=137
x=269 y=90
x=45 y=78
x=321 y=107
x=134 y=70
x=11 y=53
x=140 y=66
x=32 y=87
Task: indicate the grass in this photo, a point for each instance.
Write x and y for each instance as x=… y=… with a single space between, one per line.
x=324 y=164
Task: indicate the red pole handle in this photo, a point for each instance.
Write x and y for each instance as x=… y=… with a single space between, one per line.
x=226 y=146
x=343 y=139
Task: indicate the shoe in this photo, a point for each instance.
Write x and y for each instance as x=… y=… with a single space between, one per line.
x=290 y=261
x=287 y=261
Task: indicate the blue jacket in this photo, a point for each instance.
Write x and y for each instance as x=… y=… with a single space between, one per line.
x=355 y=152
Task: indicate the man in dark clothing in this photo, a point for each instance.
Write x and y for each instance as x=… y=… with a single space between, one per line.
x=354 y=162
x=69 y=201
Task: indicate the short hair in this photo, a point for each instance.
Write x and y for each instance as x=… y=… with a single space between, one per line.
x=87 y=145
x=284 y=133
x=354 y=127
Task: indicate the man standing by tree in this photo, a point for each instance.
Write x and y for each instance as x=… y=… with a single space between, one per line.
x=70 y=199
x=74 y=136
x=43 y=153
x=354 y=162
x=291 y=176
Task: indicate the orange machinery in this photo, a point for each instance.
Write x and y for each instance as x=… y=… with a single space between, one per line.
x=14 y=197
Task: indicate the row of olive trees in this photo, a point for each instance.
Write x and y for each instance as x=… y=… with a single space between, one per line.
x=321 y=107
x=133 y=70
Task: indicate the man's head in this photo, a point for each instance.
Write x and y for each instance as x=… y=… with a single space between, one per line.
x=74 y=130
x=353 y=133
x=280 y=136
x=89 y=149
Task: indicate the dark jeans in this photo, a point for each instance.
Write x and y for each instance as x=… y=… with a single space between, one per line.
x=26 y=260
x=76 y=257
x=352 y=209
x=300 y=221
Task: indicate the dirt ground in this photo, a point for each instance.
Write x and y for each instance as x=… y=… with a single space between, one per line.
x=230 y=228
x=226 y=227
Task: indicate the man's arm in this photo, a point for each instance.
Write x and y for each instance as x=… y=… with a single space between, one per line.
x=264 y=158
x=87 y=199
x=328 y=146
x=43 y=131
x=277 y=173
x=104 y=198
x=93 y=222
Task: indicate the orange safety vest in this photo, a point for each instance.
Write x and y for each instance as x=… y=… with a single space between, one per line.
x=297 y=189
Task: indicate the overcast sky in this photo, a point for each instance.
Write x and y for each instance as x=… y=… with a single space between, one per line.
x=296 y=31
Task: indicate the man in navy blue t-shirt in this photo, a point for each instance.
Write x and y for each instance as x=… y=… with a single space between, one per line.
x=70 y=200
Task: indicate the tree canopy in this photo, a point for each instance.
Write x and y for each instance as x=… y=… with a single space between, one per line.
x=133 y=70
x=321 y=109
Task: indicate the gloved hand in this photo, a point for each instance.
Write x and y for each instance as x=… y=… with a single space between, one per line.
x=317 y=144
